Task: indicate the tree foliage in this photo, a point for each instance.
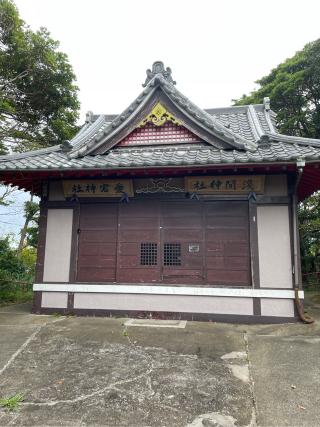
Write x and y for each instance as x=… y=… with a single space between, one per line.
x=309 y=225
x=16 y=272
x=294 y=90
x=12 y=267
x=38 y=96
x=32 y=210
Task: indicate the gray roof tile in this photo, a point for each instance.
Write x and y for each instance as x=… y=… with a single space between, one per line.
x=178 y=155
x=238 y=134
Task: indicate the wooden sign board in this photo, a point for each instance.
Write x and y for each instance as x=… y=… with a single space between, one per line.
x=234 y=184
x=98 y=187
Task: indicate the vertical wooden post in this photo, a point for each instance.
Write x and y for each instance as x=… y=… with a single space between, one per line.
x=254 y=252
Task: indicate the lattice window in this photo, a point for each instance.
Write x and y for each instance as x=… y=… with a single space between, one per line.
x=168 y=133
x=172 y=254
x=148 y=254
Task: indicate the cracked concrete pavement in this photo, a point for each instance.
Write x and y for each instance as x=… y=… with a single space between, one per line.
x=96 y=371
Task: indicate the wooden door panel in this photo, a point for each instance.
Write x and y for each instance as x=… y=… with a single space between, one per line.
x=226 y=209
x=213 y=238
x=182 y=276
x=186 y=222
x=227 y=243
x=227 y=235
x=130 y=261
x=138 y=209
x=214 y=248
x=139 y=230
x=227 y=277
x=99 y=216
x=181 y=208
x=99 y=262
x=182 y=235
x=215 y=262
x=136 y=236
x=142 y=223
x=237 y=263
x=105 y=236
x=226 y=222
x=97 y=248
x=129 y=248
x=237 y=248
x=139 y=275
x=182 y=224
x=224 y=262
x=96 y=274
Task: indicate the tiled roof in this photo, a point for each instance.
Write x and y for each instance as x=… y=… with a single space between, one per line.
x=237 y=121
x=238 y=134
x=144 y=157
x=219 y=133
x=234 y=118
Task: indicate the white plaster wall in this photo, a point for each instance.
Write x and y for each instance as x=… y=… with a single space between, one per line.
x=274 y=247
x=173 y=303
x=58 y=245
x=276 y=185
x=54 y=299
x=277 y=307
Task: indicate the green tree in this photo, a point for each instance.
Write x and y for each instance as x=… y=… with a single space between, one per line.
x=29 y=231
x=309 y=226
x=38 y=96
x=294 y=90
x=16 y=273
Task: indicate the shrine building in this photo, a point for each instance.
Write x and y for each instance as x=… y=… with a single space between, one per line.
x=171 y=211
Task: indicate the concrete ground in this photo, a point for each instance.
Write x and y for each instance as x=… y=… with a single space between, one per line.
x=96 y=371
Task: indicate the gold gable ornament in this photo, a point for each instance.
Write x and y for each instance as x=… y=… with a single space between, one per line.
x=159 y=116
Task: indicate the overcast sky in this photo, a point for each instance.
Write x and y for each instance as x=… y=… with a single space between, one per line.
x=216 y=49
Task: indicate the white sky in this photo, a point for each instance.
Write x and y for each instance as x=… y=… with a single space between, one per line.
x=216 y=49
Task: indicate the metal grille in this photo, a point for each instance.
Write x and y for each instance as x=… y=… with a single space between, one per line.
x=172 y=254
x=148 y=253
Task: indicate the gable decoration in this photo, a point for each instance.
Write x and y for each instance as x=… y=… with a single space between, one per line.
x=159 y=116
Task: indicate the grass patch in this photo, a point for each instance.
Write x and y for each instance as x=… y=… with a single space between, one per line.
x=13 y=402
x=15 y=293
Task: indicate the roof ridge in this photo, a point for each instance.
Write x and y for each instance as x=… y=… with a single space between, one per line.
x=89 y=132
x=300 y=140
x=257 y=128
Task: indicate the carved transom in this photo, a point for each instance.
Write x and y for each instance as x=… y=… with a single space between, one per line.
x=159 y=116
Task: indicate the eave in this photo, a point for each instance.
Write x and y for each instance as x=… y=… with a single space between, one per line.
x=31 y=180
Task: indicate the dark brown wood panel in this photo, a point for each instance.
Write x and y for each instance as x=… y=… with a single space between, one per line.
x=227 y=243
x=182 y=224
x=165 y=241
x=138 y=225
x=97 y=252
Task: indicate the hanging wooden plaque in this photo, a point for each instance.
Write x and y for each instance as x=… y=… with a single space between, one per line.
x=98 y=188
x=235 y=184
